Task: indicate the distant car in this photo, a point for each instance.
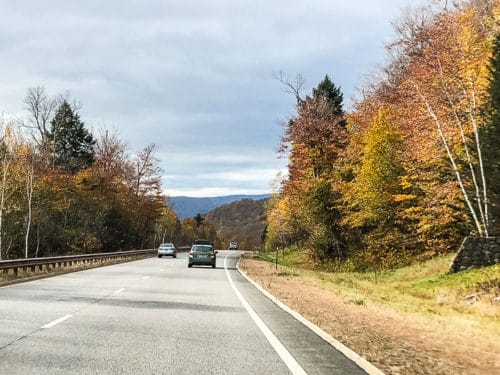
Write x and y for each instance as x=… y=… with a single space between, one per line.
x=233 y=246
x=167 y=249
x=202 y=255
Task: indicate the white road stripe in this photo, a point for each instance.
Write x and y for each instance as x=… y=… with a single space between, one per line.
x=284 y=354
x=353 y=356
x=57 y=321
x=145 y=277
x=119 y=290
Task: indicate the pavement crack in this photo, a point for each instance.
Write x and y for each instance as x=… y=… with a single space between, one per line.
x=18 y=339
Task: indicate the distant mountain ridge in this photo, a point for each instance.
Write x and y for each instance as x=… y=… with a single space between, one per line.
x=190 y=206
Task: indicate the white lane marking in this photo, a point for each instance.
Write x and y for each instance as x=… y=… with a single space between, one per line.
x=119 y=290
x=161 y=270
x=284 y=354
x=57 y=321
x=353 y=356
x=145 y=277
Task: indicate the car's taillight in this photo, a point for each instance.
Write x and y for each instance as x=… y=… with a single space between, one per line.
x=190 y=253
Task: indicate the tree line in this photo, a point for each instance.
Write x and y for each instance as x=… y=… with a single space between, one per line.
x=414 y=167
x=64 y=190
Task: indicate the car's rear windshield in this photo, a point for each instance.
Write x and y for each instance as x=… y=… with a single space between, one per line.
x=202 y=242
x=167 y=245
x=202 y=248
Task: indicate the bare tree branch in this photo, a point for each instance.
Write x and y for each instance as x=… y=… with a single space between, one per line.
x=292 y=87
x=41 y=109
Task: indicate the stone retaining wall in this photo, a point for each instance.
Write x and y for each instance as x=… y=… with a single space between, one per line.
x=476 y=252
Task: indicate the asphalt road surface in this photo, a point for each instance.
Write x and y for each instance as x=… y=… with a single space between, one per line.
x=156 y=316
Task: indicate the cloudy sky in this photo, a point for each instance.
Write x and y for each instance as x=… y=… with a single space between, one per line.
x=193 y=77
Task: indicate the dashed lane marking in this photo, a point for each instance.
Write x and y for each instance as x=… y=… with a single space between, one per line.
x=57 y=321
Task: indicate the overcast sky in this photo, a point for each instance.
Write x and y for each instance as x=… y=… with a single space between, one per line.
x=193 y=77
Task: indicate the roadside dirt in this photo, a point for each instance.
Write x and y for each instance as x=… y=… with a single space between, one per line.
x=395 y=342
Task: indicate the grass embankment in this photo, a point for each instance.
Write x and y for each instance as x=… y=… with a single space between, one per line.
x=413 y=320
x=424 y=288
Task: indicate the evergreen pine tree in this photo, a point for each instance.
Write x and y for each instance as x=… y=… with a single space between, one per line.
x=73 y=145
x=332 y=94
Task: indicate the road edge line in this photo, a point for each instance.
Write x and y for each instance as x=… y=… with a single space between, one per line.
x=349 y=353
x=280 y=349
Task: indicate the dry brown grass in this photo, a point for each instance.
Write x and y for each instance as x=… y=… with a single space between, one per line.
x=399 y=332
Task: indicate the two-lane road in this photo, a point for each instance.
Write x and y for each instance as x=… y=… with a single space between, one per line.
x=156 y=316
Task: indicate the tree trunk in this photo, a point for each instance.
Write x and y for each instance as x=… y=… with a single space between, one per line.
x=5 y=165
x=29 y=193
x=458 y=176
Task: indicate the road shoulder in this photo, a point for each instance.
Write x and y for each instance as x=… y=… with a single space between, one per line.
x=394 y=342
x=353 y=356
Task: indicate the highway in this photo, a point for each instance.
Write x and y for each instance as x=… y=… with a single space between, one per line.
x=156 y=316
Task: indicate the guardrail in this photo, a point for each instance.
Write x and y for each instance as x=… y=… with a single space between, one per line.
x=53 y=263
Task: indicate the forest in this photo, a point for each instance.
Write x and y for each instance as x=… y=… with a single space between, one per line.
x=404 y=175
x=413 y=168
x=64 y=190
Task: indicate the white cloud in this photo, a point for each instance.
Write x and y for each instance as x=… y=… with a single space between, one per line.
x=193 y=77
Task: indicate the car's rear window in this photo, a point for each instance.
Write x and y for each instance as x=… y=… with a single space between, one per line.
x=202 y=242
x=167 y=245
x=202 y=248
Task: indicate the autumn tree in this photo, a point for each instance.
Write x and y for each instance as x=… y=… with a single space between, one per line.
x=168 y=226
x=283 y=226
x=109 y=187
x=314 y=140
x=28 y=161
x=62 y=192
x=447 y=76
x=16 y=192
x=378 y=180
x=7 y=155
x=380 y=193
x=190 y=231
x=147 y=172
x=433 y=87
x=417 y=178
x=149 y=201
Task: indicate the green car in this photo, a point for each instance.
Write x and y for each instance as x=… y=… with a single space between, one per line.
x=202 y=255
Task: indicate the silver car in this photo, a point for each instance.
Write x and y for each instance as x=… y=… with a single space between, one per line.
x=167 y=249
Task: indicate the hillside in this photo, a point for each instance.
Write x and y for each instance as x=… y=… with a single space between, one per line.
x=242 y=221
x=189 y=206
